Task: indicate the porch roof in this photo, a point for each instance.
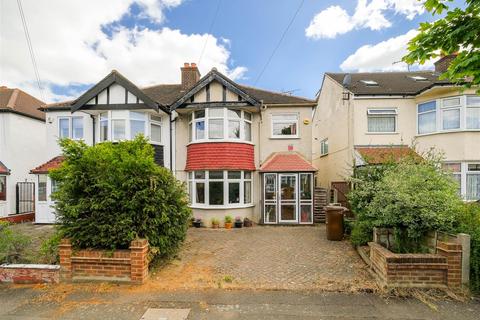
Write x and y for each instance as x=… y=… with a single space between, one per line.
x=4 y=169
x=286 y=162
x=49 y=165
x=383 y=154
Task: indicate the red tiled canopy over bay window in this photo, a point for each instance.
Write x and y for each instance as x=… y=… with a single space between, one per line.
x=286 y=162
x=49 y=165
x=384 y=154
x=220 y=156
x=3 y=169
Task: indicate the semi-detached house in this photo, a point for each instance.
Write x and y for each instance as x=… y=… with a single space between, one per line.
x=241 y=151
x=372 y=117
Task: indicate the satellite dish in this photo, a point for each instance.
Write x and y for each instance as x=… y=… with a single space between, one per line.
x=347 y=80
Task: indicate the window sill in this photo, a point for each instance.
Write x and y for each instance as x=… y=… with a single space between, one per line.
x=323 y=155
x=381 y=133
x=285 y=138
x=446 y=131
x=221 y=140
x=231 y=206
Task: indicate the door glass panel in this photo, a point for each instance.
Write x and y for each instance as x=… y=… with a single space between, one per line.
x=306 y=213
x=270 y=187
x=270 y=213
x=305 y=186
x=288 y=188
x=288 y=212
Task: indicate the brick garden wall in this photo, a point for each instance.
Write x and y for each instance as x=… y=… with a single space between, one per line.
x=29 y=273
x=120 y=265
x=417 y=270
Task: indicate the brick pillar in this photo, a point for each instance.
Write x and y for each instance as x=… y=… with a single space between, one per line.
x=139 y=260
x=65 y=252
x=453 y=253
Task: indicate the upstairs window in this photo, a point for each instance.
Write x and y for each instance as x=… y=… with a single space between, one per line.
x=156 y=129
x=285 y=125
x=70 y=127
x=451 y=113
x=324 y=147
x=473 y=112
x=382 y=120
x=220 y=124
x=104 y=126
x=427 y=117
x=137 y=123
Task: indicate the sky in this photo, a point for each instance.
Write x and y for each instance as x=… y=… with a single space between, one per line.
x=78 y=42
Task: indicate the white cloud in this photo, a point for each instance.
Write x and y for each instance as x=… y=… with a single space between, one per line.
x=335 y=20
x=383 y=56
x=71 y=48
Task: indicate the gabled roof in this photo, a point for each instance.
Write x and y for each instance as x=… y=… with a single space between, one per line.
x=214 y=75
x=4 y=169
x=49 y=165
x=383 y=154
x=111 y=78
x=286 y=162
x=20 y=102
x=390 y=83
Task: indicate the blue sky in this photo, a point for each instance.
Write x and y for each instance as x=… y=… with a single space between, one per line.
x=244 y=35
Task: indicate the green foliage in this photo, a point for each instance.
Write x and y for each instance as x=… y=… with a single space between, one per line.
x=456 y=32
x=228 y=219
x=112 y=193
x=362 y=232
x=13 y=245
x=49 y=249
x=469 y=223
x=215 y=221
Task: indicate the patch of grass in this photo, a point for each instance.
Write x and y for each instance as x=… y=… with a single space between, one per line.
x=227 y=278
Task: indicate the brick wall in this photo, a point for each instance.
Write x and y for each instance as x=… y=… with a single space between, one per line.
x=19 y=218
x=91 y=265
x=417 y=270
x=29 y=273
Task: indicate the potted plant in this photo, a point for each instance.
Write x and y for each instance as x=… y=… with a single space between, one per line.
x=247 y=222
x=228 y=222
x=197 y=223
x=215 y=223
x=238 y=222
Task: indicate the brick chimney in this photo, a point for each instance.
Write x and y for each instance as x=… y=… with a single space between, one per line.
x=190 y=75
x=442 y=64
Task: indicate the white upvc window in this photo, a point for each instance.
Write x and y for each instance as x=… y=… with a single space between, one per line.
x=103 y=123
x=220 y=188
x=467 y=174
x=118 y=125
x=427 y=117
x=324 y=147
x=138 y=122
x=473 y=112
x=451 y=113
x=70 y=127
x=382 y=120
x=213 y=124
x=285 y=125
x=156 y=129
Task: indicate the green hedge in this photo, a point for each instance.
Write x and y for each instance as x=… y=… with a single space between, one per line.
x=112 y=193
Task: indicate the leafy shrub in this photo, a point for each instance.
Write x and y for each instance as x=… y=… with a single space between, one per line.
x=362 y=232
x=49 y=249
x=469 y=222
x=112 y=193
x=228 y=219
x=13 y=245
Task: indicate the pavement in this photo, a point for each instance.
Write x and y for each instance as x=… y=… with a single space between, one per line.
x=120 y=303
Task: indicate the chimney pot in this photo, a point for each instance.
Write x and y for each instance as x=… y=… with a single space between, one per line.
x=186 y=65
x=193 y=65
x=442 y=64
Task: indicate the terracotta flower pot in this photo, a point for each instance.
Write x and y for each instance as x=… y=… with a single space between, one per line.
x=215 y=225
x=228 y=225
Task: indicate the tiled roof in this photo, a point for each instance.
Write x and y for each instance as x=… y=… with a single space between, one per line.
x=389 y=83
x=49 y=165
x=271 y=97
x=3 y=169
x=384 y=154
x=220 y=156
x=17 y=101
x=286 y=162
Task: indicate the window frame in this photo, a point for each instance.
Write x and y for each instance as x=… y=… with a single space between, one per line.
x=158 y=123
x=444 y=109
x=324 y=147
x=474 y=106
x=127 y=116
x=3 y=195
x=193 y=180
x=70 y=127
x=387 y=113
x=225 y=117
x=40 y=195
x=284 y=136
x=463 y=173
x=426 y=112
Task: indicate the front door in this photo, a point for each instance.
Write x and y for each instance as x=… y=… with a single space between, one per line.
x=288 y=198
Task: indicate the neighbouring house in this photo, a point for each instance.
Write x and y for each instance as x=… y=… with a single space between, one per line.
x=22 y=142
x=373 y=117
x=242 y=151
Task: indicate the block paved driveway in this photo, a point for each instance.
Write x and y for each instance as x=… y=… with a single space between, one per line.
x=273 y=257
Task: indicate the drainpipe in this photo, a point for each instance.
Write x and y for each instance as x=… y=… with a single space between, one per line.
x=93 y=130
x=172 y=120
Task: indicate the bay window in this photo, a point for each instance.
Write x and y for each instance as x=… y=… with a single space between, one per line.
x=473 y=112
x=451 y=113
x=220 y=124
x=285 y=125
x=137 y=123
x=473 y=181
x=427 y=117
x=381 y=120
x=118 y=130
x=117 y=125
x=217 y=188
x=70 y=127
x=467 y=175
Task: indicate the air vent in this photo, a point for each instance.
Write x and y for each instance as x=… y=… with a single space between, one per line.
x=370 y=83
